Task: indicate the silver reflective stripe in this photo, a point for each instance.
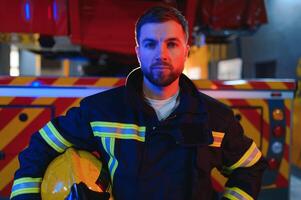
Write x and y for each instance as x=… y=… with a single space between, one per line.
x=235 y=193
x=52 y=136
x=109 y=146
x=26 y=185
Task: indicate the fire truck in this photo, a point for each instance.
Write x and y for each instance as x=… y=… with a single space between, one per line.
x=264 y=108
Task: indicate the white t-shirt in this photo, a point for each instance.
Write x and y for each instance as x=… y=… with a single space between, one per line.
x=164 y=107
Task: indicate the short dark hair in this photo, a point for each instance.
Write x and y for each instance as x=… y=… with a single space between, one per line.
x=159 y=14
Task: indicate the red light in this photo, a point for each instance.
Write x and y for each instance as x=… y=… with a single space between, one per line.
x=273 y=163
x=278 y=131
x=278 y=114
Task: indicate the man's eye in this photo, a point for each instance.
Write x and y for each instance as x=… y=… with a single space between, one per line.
x=149 y=45
x=172 y=45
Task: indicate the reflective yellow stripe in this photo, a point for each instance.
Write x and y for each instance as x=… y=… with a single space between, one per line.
x=235 y=193
x=26 y=185
x=118 y=130
x=109 y=146
x=114 y=160
x=27 y=179
x=51 y=135
x=217 y=138
x=25 y=191
x=118 y=125
x=58 y=135
x=49 y=141
x=251 y=156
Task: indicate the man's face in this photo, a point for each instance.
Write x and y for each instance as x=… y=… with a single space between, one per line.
x=162 y=51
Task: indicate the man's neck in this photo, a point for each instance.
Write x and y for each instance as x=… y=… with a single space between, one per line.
x=160 y=93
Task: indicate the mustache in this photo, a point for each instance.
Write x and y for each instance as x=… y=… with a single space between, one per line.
x=161 y=63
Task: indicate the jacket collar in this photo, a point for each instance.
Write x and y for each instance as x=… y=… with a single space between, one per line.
x=134 y=90
x=190 y=99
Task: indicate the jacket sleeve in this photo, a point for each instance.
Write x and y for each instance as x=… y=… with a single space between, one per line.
x=73 y=129
x=243 y=164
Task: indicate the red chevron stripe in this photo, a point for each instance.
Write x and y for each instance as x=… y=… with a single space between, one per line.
x=120 y=82
x=220 y=85
x=6 y=190
x=86 y=81
x=287 y=116
x=266 y=126
x=62 y=104
x=9 y=113
x=22 y=139
x=286 y=152
x=281 y=182
x=254 y=115
x=5 y=80
x=18 y=144
x=260 y=85
x=45 y=81
x=290 y=85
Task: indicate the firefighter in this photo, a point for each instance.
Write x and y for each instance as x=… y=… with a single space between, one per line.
x=158 y=135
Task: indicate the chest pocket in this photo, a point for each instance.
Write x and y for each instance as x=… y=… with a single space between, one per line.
x=110 y=131
x=217 y=139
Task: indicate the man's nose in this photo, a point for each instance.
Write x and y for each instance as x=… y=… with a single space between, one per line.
x=162 y=52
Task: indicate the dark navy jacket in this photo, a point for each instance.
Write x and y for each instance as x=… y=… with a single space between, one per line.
x=150 y=159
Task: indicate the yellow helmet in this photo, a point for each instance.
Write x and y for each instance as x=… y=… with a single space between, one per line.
x=71 y=167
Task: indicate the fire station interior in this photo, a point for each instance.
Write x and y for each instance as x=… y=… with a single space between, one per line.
x=253 y=43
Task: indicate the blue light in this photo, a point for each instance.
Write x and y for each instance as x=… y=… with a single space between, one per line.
x=27 y=11
x=55 y=10
x=36 y=84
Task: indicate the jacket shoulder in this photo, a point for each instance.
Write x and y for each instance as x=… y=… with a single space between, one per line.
x=106 y=97
x=214 y=105
x=219 y=114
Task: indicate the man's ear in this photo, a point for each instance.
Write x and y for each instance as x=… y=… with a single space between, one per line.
x=137 y=50
x=187 y=50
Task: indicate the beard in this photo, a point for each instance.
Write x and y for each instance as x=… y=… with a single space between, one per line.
x=161 y=77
